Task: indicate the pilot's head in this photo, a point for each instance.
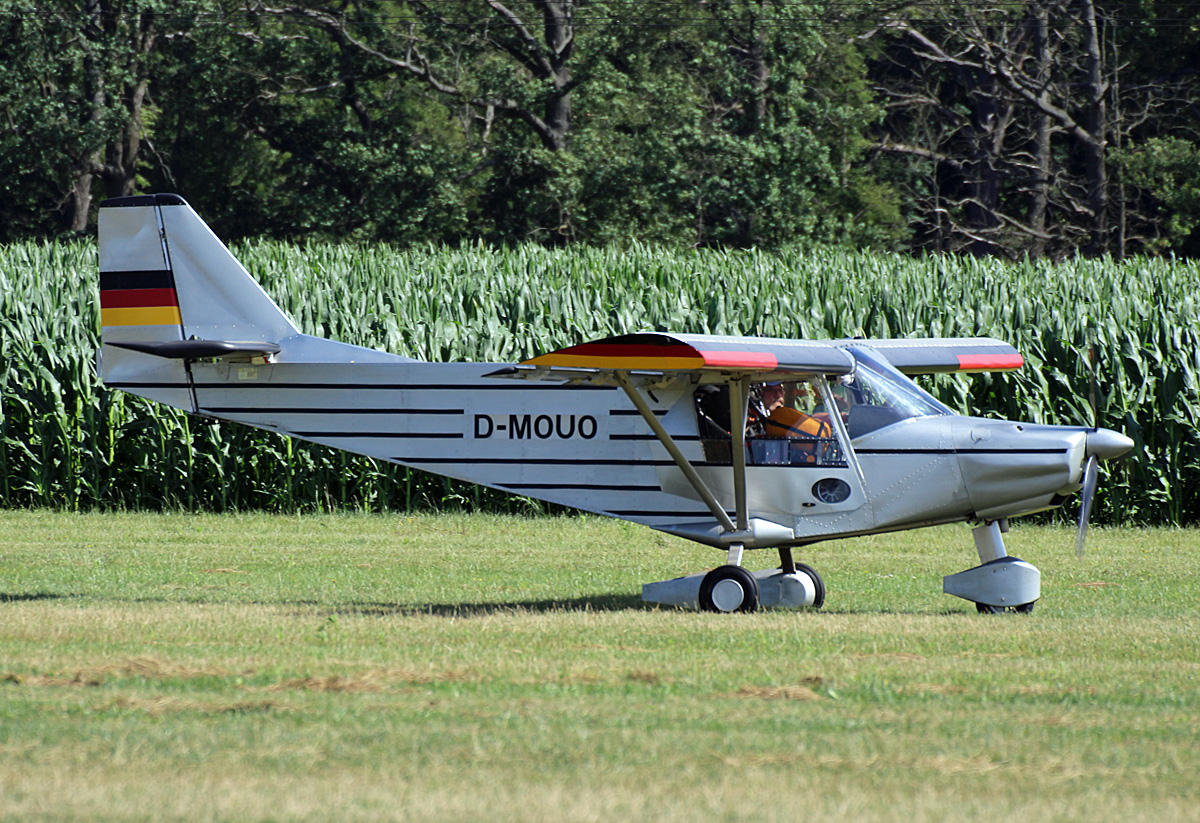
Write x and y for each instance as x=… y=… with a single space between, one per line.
x=772 y=395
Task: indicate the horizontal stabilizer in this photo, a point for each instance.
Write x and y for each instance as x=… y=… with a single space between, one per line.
x=199 y=349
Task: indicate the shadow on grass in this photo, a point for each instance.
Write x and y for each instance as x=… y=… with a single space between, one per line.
x=28 y=598
x=598 y=603
x=595 y=603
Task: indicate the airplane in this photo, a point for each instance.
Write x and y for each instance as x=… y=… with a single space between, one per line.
x=739 y=443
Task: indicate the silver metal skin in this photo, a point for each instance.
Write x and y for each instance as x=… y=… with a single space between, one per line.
x=624 y=442
x=1106 y=444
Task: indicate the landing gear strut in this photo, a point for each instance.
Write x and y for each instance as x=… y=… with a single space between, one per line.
x=999 y=583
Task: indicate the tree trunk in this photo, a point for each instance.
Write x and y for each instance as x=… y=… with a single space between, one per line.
x=559 y=35
x=1095 y=123
x=1040 y=191
x=78 y=203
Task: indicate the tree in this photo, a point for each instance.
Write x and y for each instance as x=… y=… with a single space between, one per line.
x=482 y=57
x=1164 y=170
x=1010 y=115
x=272 y=127
x=744 y=121
x=681 y=123
x=74 y=104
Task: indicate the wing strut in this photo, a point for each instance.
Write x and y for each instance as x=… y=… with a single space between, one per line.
x=622 y=378
x=738 y=390
x=737 y=413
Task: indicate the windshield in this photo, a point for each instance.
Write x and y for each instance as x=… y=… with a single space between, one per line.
x=877 y=395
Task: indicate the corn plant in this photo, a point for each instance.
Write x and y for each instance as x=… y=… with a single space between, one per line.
x=66 y=441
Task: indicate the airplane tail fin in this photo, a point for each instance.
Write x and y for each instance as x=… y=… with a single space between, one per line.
x=165 y=277
x=172 y=294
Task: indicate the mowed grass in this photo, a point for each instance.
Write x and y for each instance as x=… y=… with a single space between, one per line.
x=450 y=668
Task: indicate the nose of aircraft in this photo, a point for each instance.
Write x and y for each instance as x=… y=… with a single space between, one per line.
x=1106 y=444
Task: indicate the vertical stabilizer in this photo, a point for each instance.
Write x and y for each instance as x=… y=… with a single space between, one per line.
x=138 y=300
x=164 y=275
x=165 y=278
x=172 y=295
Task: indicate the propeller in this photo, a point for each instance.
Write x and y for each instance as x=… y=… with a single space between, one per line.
x=1092 y=468
x=1090 y=472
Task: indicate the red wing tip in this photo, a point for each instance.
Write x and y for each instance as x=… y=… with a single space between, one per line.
x=990 y=362
x=740 y=360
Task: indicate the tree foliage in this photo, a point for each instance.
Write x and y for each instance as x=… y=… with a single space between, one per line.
x=1043 y=128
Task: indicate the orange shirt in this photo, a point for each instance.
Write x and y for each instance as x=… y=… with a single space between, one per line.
x=788 y=422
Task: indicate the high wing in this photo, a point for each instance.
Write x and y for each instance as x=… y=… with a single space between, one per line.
x=659 y=353
x=949 y=354
x=654 y=351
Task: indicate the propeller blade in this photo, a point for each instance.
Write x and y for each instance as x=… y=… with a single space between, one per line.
x=1090 y=472
x=1094 y=388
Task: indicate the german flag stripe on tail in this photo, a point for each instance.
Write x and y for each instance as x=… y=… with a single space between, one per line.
x=138 y=298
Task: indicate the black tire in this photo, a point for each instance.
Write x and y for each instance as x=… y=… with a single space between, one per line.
x=1024 y=608
x=726 y=596
x=818 y=583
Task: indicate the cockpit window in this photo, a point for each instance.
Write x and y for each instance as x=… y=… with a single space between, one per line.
x=786 y=425
x=878 y=395
x=788 y=422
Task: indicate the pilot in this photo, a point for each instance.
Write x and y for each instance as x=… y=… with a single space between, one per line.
x=783 y=420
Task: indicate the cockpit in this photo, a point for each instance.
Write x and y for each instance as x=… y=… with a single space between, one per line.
x=792 y=422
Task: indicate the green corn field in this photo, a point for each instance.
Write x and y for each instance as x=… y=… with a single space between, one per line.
x=66 y=442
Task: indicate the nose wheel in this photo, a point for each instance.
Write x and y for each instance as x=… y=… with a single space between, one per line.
x=984 y=608
x=998 y=580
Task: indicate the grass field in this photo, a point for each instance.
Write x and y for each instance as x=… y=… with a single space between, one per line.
x=452 y=668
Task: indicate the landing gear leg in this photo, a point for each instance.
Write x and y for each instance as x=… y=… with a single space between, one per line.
x=787 y=563
x=1000 y=583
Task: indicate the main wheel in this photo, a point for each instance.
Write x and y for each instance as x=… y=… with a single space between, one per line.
x=729 y=589
x=818 y=584
x=1024 y=608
